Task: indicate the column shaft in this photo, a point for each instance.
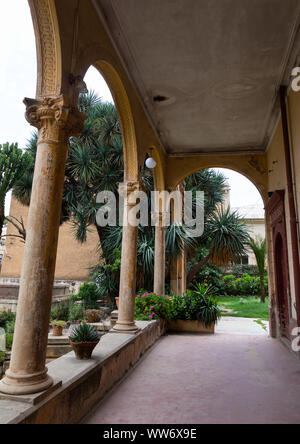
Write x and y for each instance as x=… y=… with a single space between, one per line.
x=27 y=372
x=125 y=322
x=159 y=259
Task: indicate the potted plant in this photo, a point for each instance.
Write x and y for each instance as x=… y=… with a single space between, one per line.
x=196 y=311
x=117 y=302
x=92 y=316
x=58 y=327
x=83 y=340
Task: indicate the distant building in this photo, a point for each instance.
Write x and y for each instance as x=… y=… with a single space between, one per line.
x=2 y=246
x=73 y=258
x=254 y=218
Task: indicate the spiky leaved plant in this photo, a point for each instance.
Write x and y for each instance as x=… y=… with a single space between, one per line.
x=84 y=333
x=209 y=311
x=259 y=248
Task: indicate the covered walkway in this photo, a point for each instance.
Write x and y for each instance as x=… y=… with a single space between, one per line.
x=226 y=378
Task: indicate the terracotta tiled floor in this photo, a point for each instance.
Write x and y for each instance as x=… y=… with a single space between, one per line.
x=190 y=379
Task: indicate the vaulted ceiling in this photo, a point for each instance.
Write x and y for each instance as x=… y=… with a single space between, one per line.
x=208 y=71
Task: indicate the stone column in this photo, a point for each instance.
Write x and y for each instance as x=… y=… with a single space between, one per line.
x=56 y=121
x=174 y=276
x=160 y=254
x=178 y=265
x=181 y=270
x=178 y=275
x=125 y=322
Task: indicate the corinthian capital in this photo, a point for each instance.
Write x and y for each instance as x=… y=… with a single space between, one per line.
x=55 y=118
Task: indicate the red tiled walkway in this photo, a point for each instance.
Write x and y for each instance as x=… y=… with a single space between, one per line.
x=190 y=379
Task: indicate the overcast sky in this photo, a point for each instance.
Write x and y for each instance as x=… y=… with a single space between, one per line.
x=18 y=80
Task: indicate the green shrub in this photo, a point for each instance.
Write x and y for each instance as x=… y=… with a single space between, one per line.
x=88 y=294
x=10 y=327
x=5 y=318
x=2 y=356
x=196 y=305
x=9 y=341
x=150 y=306
x=239 y=270
x=245 y=286
x=84 y=333
x=76 y=312
x=212 y=277
x=60 y=311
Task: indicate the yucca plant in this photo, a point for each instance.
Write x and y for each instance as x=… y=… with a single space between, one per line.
x=196 y=305
x=83 y=340
x=225 y=239
x=84 y=333
x=209 y=310
x=96 y=163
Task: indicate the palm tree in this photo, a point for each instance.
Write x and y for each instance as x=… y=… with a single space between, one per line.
x=259 y=248
x=95 y=163
x=224 y=240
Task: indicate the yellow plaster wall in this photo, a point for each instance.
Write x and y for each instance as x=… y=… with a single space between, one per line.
x=73 y=258
x=277 y=181
x=294 y=115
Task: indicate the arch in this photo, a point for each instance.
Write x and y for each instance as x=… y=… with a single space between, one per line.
x=158 y=172
x=49 y=58
x=252 y=167
x=114 y=82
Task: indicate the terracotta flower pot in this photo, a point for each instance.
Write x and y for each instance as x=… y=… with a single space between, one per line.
x=57 y=330
x=83 y=350
x=117 y=302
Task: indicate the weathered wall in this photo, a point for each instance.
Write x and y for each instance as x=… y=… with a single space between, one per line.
x=73 y=258
x=257 y=228
x=294 y=114
x=277 y=172
x=84 y=383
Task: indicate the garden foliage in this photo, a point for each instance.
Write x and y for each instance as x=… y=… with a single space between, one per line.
x=196 y=305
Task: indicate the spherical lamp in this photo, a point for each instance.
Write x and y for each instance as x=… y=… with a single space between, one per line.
x=150 y=163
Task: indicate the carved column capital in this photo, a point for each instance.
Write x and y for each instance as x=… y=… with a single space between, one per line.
x=55 y=119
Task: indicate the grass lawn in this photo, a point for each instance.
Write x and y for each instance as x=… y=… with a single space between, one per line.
x=244 y=307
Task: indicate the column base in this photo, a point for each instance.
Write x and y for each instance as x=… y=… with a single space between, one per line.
x=125 y=327
x=14 y=384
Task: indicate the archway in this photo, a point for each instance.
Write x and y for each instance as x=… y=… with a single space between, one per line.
x=48 y=45
x=250 y=208
x=114 y=82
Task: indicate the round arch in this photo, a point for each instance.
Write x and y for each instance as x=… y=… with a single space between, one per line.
x=48 y=46
x=158 y=171
x=121 y=100
x=249 y=168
